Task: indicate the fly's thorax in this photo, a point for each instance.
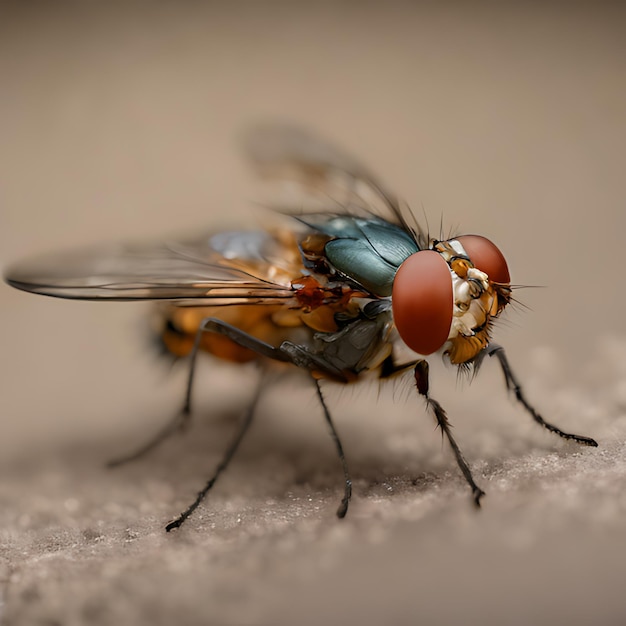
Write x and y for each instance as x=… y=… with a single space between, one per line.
x=363 y=251
x=361 y=344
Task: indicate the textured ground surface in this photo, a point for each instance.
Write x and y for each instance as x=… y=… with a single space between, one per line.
x=119 y=123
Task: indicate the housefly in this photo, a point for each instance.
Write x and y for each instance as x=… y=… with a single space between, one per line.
x=338 y=287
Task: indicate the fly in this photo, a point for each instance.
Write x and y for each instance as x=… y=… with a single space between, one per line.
x=337 y=291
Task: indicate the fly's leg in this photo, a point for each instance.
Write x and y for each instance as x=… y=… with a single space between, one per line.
x=230 y=452
x=389 y=368
x=214 y=325
x=287 y=352
x=302 y=357
x=179 y=423
x=421 y=380
x=347 y=494
x=514 y=386
x=182 y=419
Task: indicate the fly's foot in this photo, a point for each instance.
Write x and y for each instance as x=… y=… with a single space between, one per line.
x=581 y=439
x=477 y=494
x=345 y=501
x=175 y=524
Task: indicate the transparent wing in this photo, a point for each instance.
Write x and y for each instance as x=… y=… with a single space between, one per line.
x=227 y=267
x=224 y=268
x=331 y=180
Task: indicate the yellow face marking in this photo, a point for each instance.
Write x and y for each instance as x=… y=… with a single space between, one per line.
x=460 y=267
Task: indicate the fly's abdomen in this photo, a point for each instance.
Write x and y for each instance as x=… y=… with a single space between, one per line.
x=180 y=325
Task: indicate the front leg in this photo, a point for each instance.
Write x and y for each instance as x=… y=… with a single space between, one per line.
x=421 y=381
x=514 y=386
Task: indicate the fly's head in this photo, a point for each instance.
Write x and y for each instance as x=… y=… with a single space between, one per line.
x=447 y=296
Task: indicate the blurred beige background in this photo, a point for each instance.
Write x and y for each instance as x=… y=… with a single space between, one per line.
x=120 y=121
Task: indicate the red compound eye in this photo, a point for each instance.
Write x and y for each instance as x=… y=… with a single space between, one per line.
x=422 y=301
x=486 y=257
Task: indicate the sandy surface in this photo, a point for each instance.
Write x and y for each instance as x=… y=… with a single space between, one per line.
x=119 y=123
